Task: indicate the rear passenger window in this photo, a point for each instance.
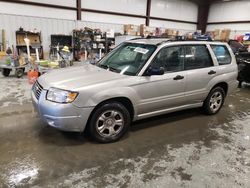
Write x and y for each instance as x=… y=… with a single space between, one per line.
x=197 y=57
x=222 y=54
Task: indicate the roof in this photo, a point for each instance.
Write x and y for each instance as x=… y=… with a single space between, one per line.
x=159 y=41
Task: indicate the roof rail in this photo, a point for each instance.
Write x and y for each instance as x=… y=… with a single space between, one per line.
x=198 y=38
x=156 y=37
x=136 y=38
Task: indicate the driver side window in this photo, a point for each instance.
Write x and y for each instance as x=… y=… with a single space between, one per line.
x=170 y=58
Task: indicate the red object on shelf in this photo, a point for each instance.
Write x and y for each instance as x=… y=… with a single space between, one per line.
x=32 y=76
x=239 y=38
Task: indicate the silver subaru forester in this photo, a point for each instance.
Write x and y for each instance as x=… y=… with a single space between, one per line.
x=139 y=79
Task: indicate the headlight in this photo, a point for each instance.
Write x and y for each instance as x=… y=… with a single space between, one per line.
x=61 y=96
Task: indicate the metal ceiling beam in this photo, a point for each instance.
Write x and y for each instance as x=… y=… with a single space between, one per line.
x=172 y=20
x=230 y=22
x=39 y=4
x=113 y=13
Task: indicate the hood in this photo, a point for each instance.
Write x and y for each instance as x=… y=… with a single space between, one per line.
x=77 y=77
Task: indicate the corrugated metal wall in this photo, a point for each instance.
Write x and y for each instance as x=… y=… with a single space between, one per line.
x=230 y=11
x=52 y=21
x=48 y=26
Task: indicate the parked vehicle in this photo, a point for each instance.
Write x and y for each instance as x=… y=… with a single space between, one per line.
x=139 y=79
x=9 y=64
x=243 y=60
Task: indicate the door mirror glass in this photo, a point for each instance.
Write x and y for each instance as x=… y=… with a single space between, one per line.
x=155 y=71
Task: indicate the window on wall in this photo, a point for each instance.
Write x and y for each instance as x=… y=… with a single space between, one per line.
x=222 y=54
x=170 y=58
x=196 y=57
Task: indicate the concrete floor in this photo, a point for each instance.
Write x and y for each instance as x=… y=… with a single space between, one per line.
x=184 y=149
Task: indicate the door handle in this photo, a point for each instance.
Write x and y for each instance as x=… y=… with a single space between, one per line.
x=178 y=77
x=212 y=72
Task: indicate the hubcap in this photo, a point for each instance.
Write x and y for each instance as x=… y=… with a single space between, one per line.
x=215 y=101
x=110 y=123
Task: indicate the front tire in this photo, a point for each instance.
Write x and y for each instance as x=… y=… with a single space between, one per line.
x=214 y=101
x=109 y=122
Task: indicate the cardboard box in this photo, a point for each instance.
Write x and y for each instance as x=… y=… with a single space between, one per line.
x=129 y=29
x=225 y=34
x=142 y=29
x=171 y=32
x=216 y=34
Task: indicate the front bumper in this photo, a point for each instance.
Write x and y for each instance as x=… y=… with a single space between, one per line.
x=66 y=117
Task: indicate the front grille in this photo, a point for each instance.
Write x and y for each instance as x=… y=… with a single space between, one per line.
x=37 y=89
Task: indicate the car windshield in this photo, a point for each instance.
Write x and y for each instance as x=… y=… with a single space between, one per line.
x=128 y=58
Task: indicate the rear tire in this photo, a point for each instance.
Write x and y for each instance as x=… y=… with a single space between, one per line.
x=109 y=122
x=6 y=72
x=214 y=101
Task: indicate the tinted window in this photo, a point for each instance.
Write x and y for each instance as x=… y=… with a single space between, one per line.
x=170 y=58
x=222 y=54
x=196 y=57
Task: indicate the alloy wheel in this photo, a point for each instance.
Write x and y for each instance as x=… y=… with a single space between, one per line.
x=110 y=123
x=216 y=101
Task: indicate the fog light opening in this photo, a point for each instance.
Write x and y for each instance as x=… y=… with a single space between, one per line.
x=51 y=122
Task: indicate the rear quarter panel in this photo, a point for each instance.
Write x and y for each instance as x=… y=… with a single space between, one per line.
x=225 y=73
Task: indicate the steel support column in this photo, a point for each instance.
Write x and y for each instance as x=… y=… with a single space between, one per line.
x=148 y=12
x=79 y=9
x=202 y=17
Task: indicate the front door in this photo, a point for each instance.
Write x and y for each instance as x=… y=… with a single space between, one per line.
x=160 y=92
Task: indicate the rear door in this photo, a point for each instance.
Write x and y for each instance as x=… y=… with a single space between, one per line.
x=200 y=70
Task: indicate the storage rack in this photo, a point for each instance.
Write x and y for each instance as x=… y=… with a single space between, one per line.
x=61 y=41
x=90 y=41
x=35 y=39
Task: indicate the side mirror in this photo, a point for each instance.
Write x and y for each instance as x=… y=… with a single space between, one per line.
x=155 y=71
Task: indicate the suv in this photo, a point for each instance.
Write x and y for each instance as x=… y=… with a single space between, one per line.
x=139 y=79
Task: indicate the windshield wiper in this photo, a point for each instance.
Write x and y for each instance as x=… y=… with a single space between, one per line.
x=103 y=66
x=114 y=69
x=107 y=67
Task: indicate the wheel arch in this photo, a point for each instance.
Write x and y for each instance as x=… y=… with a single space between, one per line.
x=223 y=85
x=123 y=100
